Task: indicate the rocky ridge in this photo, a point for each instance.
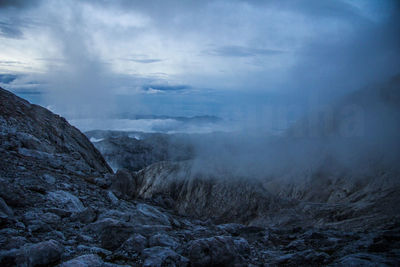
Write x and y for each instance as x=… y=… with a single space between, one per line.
x=60 y=204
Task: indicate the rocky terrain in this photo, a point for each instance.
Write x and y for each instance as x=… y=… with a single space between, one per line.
x=62 y=205
x=139 y=149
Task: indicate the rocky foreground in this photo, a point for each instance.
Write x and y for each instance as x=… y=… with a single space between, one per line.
x=61 y=204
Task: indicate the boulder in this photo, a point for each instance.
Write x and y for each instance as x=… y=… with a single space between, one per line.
x=87 y=215
x=112 y=236
x=123 y=185
x=163 y=240
x=88 y=260
x=40 y=254
x=363 y=259
x=65 y=200
x=163 y=256
x=4 y=208
x=132 y=247
x=217 y=251
x=149 y=215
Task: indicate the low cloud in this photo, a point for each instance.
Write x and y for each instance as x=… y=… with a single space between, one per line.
x=144 y=61
x=20 y=4
x=242 y=51
x=166 y=88
x=10 y=30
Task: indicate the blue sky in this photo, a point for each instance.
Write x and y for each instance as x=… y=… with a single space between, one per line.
x=194 y=57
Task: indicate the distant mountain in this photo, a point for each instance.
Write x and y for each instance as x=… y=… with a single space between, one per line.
x=194 y=119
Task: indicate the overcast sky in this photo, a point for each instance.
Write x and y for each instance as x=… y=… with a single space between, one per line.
x=195 y=49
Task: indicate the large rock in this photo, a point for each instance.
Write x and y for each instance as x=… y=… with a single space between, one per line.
x=162 y=256
x=217 y=251
x=112 y=232
x=133 y=246
x=4 y=208
x=88 y=260
x=40 y=254
x=363 y=259
x=123 y=185
x=65 y=200
x=163 y=240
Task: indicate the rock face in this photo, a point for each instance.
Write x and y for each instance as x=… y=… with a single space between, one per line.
x=30 y=131
x=336 y=201
x=140 y=150
x=61 y=209
x=223 y=199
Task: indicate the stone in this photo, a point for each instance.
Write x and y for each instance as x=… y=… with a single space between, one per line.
x=13 y=194
x=123 y=185
x=217 y=251
x=5 y=208
x=163 y=240
x=362 y=259
x=113 y=235
x=103 y=182
x=50 y=218
x=163 y=256
x=95 y=250
x=306 y=257
x=149 y=215
x=88 y=215
x=103 y=223
x=39 y=226
x=65 y=200
x=132 y=246
x=49 y=178
x=231 y=228
x=112 y=197
x=149 y=230
x=40 y=254
x=88 y=260
x=60 y=212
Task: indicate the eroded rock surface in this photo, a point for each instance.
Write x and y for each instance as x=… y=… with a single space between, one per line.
x=60 y=204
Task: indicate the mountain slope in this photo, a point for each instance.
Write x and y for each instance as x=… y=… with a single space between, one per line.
x=61 y=206
x=32 y=131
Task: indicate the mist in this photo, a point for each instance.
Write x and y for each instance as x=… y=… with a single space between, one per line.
x=285 y=78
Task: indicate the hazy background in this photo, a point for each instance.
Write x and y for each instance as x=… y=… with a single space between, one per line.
x=249 y=61
x=254 y=67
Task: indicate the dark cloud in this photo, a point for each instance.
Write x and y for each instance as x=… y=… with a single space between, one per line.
x=242 y=51
x=7 y=78
x=10 y=62
x=144 y=61
x=10 y=30
x=339 y=9
x=166 y=87
x=296 y=47
x=18 y=3
x=333 y=65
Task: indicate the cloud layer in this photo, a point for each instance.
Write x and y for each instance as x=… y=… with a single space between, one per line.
x=81 y=50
